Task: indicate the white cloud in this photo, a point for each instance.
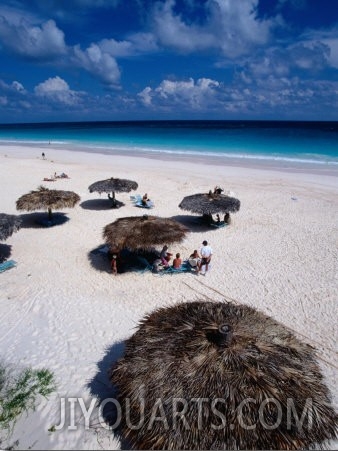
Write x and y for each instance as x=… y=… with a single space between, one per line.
x=333 y=55
x=144 y=42
x=237 y=27
x=14 y=87
x=45 y=41
x=185 y=93
x=24 y=104
x=324 y=42
x=266 y=96
x=171 y=30
x=3 y=100
x=309 y=55
x=136 y=44
x=115 y=48
x=97 y=62
x=18 y=87
x=145 y=95
x=57 y=90
x=231 y=27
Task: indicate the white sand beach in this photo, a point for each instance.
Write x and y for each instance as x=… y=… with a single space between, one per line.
x=61 y=311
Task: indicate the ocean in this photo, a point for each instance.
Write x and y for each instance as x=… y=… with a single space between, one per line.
x=259 y=142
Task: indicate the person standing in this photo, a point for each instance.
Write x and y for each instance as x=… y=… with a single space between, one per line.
x=114 y=264
x=206 y=254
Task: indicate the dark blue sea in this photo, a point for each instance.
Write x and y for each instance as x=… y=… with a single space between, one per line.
x=293 y=142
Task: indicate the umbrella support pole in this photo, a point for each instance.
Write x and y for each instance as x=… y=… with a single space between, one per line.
x=49 y=214
x=114 y=204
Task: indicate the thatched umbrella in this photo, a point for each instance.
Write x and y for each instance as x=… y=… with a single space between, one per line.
x=50 y=199
x=113 y=185
x=214 y=375
x=8 y=225
x=210 y=203
x=143 y=232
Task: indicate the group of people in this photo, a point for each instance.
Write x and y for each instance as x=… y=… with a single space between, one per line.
x=196 y=260
x=54 y=177
x=61 y=176
x=208 y=219
x=203 y=258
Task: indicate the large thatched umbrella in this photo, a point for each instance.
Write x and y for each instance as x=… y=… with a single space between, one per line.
x=113 y=185
x=50 y=199
x=214 y=375
x=8 y=225
x=210 y=203
x=143 y=232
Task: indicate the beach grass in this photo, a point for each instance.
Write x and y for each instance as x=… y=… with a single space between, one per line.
x=19 y=391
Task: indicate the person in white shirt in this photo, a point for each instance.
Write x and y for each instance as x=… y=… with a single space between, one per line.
x=206 y=254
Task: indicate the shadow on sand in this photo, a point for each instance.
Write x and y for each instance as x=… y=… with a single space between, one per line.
x=5 y=252
x=104 y=391
x=100 y=204
x=100 y=259
x=194 y=223
x=41 y=221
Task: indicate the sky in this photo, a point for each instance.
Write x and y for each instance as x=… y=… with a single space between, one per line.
x=93 y=60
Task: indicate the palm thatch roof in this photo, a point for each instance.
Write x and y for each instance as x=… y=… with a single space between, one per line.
x=210 y=203
x=50 y=199
x=240 y=379
x=143 y=232
x=8 y=225
x=113 y=185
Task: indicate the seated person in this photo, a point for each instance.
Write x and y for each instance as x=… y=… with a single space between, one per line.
x=218 y=190
x=194 y=259
x=227 y=219
x=165 y=256
x=218 y=219
x=177 y=263
x=156 y=266
x=145 y=199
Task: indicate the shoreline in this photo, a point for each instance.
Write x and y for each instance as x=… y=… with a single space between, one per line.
x=267 y=164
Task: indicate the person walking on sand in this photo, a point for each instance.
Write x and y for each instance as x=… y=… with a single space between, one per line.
x=206 y=254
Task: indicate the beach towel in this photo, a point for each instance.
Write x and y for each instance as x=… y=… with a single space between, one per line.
x=7 y=265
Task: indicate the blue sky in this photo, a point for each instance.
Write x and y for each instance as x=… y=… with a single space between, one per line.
x=83 y=60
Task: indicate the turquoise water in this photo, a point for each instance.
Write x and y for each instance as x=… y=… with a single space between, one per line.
x=299 y=142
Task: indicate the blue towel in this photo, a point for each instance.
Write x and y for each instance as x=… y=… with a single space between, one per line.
x=7 y=265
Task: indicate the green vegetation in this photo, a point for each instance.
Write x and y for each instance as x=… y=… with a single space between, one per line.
x=19 y=391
